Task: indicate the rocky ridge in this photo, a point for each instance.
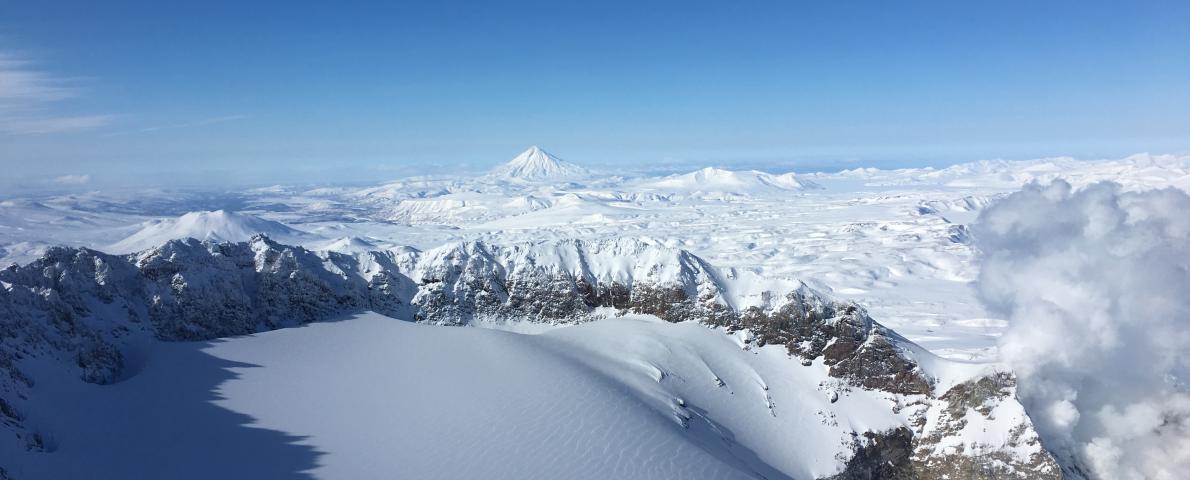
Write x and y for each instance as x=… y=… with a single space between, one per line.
x=85 y=307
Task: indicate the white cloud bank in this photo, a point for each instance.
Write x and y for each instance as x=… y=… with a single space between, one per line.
x=1096 y=285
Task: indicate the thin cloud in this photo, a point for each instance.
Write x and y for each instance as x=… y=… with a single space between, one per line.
x=198 y=123
x=73 y=179
x=27 y=98
x=20 y=83
x=27 y=126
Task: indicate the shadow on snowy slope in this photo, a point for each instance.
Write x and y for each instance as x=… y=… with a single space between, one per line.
x=163 y=422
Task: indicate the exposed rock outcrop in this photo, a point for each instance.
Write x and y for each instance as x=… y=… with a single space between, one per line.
x=881 y=455
x=956 y=437
x=568 y=281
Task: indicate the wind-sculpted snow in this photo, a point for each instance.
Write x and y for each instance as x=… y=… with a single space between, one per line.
x=1094 y=283
x=95 y=312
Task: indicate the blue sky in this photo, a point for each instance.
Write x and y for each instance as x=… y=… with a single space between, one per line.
x=261 y=92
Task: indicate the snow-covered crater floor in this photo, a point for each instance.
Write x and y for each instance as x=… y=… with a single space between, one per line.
x=370 y=396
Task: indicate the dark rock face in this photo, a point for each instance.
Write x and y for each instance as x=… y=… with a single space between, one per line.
x=979 y=395
x=195 y=294
x=474 y=280
x=881 y=456
x=878 y=364
x=200 y=291
x=849 y=342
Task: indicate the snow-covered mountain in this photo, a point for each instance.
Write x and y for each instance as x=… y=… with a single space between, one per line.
x=347 y=245
x=217 y=226
x=744 y=182
x=686 y=275
x=537 y=165
x=885 y=408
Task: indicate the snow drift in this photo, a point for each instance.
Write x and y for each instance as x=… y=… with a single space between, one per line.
x=1095 y=285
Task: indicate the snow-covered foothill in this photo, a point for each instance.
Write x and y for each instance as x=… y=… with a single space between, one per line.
x=711 y=182
x=217 y=226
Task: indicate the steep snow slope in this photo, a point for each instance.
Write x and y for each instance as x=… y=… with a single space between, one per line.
x=521 y=406
x=654 y=399
x=371 y=397
x=218 y=226
x=537 y=165
x=630 y=397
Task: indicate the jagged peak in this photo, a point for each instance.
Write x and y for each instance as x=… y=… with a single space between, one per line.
x=261 y=237
x=621 y=260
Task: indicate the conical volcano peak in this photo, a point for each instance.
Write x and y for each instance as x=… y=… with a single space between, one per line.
x=536 y=164
x=535 y=156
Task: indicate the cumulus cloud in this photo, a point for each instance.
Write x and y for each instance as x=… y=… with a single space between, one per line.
x=1096 y=285
x=73 y=179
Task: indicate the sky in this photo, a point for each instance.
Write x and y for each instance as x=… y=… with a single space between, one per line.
x=295 y=91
